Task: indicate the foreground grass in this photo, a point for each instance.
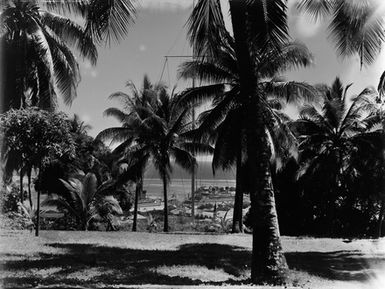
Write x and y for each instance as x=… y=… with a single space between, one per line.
x=105 y=259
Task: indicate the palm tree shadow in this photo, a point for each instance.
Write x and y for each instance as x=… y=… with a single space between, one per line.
x=128 y=266
x=114 y=266
x=337 y=265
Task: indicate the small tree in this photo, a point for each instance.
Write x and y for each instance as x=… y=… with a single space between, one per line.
x=38 y=137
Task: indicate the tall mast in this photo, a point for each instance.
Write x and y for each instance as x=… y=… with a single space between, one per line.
x=193 y=120
x=193 y=169
x=193 y=127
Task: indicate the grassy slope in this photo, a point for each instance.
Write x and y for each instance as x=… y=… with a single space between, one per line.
x=103 y=258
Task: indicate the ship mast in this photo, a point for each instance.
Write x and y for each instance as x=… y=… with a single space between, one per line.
x=193 y=127
x=193 y=120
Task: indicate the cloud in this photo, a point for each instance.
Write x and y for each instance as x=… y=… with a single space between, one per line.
x=166 y=5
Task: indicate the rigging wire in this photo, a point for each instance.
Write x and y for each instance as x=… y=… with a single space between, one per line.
x=164 y=66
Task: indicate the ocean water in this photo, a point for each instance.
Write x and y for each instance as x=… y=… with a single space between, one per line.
x=180 y=185
x=181 y=188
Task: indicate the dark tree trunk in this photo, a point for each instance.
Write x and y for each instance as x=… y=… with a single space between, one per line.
x=29 y=187
x=381 y=218
x=138 y=192
x=165 y=227
x=238 y=202
x=38 y=214
x=38 y=203
x=268 y=262
x=21 y=185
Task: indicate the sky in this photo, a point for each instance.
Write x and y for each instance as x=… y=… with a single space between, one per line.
x=160 y=30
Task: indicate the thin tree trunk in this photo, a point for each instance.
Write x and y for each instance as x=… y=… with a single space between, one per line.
x=138 y=192
x=381 y=218
x=29 y=187
x=268 y=262
x=21 y=186
x=238 y=202
x=38 y=214
x=165 y=228
x=38 y=206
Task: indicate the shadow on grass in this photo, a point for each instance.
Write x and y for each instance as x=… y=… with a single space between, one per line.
x=128 y=266
x=338 y=265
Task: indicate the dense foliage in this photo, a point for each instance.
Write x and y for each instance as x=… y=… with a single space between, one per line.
x=35 y=136
x=85 y=201
x=154 y=128
x=37 y=39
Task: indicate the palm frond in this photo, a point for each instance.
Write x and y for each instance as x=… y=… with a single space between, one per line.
x=115 y=134
x=292 y=55
x=201 y=94
x=206 y=28
x=74 y=7
x=196 y=148
x=73 y=34
x=65 y=66
x=206 y=71
x=367 y=35
x=317 y=9
x=292 y=91
x=117 y=113
x=381 y=85
x=89 y=189
x=183 y=158
x=268 y=23
x=109 y=20
x=311 y=114
x=210 y=119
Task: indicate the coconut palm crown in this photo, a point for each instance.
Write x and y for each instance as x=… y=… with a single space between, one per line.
x=335 y=136
x=37 y=39
x=153 y=129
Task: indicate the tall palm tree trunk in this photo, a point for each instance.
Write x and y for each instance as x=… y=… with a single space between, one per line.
x=21 y=182
x=138 y=192
x=268 y=262
x=38 y=214
x=38 y=206
x=29 y=187
x=238 y=201
x=165 y=227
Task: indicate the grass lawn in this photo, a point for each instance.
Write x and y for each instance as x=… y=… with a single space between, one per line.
x=118 y=259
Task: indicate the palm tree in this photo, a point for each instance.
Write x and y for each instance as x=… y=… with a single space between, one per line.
x=260 y=32
x=38 y=64
x=333 y=139
x=155 y=130
x=133 y=102
x=37 y=60
x=85 y=201
x=356 y=27
x=223 y=121
x=105 y=21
